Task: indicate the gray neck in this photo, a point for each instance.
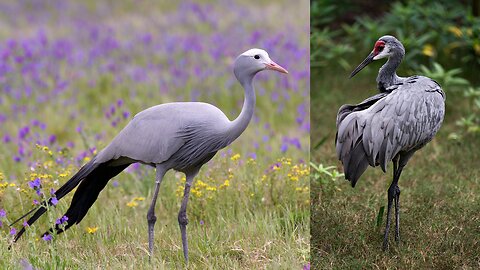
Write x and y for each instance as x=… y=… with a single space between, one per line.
x=387 y=75
x=241 y=122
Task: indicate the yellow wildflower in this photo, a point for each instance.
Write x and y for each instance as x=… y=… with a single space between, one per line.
x=197 y=193
x=293 y=178
x=200 y=184
x=428 y=50
x=139 y=199
x=476 y=48
x=91 y=230
x=235 y=157
x=12 y=185
x=86 y=159
x=211 y=188
x=64 y=174
x=132 y=204
x=225 y=184
x=1 y=176
x=455 y=30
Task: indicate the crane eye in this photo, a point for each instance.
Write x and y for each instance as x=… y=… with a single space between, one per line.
x=256 y=56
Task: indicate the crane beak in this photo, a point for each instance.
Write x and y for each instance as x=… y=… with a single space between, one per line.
x=365 y=62
x=274 y=66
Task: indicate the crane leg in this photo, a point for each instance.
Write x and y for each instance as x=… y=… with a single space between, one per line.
x=182 y=215
x=393 y=194
x=397 y=215
x=151 y=218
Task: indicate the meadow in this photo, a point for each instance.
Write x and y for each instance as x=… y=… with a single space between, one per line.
x=439 y=214
x=72 y=75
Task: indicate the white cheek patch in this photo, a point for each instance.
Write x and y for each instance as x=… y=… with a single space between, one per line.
x=381 y=55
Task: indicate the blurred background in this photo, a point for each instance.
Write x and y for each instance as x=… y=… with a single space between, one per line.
x=440 y=185
x=73 y=73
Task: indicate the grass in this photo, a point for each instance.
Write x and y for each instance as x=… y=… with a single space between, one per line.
x=439 y=201
x=75 y=70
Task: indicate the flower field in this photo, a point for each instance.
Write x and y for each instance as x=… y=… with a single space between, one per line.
x=73 y=73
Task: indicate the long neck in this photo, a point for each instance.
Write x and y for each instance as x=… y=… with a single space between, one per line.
x=387 y=75
x=241 y=122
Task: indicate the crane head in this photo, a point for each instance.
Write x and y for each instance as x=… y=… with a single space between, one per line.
x=385 y=46
x=253 y=61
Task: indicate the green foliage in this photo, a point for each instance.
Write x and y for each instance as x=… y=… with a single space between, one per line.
x=441 y=31
x=446 y=78
x=441 y=40
x=324 y=176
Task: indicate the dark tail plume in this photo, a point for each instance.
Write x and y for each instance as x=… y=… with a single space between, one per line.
x=90 y=179
x=356 y=163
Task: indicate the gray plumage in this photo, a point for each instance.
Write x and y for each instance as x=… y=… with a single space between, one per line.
x=181 y=136
x=390 y=126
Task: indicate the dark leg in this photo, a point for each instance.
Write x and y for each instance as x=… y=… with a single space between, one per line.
x=393 y=193
x=151 y=218
x=397 y=212
x=182 y=215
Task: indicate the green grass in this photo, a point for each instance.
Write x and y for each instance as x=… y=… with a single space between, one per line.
x=439 y=223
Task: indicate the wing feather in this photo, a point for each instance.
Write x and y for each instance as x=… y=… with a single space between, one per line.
x=401 y=120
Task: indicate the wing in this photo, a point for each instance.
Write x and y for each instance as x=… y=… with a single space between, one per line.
x=157 y=133
x=403 y=120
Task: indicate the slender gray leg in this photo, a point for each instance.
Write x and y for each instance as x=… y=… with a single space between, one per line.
x=182 y=215
x=397 y=215
x=387 y=228
x=394 y=194
x=151 y=218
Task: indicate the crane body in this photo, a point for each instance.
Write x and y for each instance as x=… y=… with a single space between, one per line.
x=391 y=125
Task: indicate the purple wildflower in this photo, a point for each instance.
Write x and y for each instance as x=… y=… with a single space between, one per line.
x=13 y=231
x=54 y=200
x=47 y=237
x=35 y=183
x=306 y=266
x=202 y=222
x=61 y=220
x=3 y=213
x=35 y=202
x=284 y=147
x=25 y=223
x=52 y=139
x=22 y=133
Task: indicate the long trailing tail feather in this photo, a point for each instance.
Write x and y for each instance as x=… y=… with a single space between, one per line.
x=90 y=179
x=60 y=193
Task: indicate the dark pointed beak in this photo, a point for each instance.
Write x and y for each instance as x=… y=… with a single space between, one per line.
x=365 y=62
x=274 y=66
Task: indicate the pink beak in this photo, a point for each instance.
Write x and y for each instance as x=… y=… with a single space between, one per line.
x=274 y=66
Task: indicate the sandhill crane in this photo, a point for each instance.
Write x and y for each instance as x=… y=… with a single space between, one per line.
x=390 y=126
x=181 y=136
